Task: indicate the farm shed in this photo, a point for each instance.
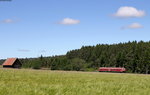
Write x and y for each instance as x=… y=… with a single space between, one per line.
x=12 y=63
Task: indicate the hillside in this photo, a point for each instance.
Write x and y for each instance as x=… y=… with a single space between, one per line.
x=134 y=56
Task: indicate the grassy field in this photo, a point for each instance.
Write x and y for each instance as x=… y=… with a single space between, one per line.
x=44 y=82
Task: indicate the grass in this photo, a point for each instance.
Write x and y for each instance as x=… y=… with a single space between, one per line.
x=1 y=66
x=44 y=82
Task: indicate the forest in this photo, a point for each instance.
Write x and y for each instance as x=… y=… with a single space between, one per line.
x=134 y=56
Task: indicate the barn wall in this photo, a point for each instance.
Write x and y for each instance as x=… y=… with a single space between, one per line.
x=17 y=64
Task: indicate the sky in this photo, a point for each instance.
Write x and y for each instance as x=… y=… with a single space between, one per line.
x=30 y=28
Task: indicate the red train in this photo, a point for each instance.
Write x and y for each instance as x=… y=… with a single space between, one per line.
x=112 y=69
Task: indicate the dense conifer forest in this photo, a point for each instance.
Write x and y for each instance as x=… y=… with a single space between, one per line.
x=134 y=56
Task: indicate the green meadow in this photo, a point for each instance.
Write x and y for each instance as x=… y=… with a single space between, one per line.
x=45 y=82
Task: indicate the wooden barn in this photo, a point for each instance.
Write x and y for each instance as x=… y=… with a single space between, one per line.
x=12 y=63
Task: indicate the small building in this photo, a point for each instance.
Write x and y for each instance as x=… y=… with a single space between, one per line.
x=12 y=63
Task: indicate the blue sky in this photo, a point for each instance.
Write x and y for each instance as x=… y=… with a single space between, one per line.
x=29 y=28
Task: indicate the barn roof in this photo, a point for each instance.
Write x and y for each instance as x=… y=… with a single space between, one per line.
x=10 y=61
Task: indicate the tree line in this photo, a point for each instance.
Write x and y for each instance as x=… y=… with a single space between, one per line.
x=134 y=56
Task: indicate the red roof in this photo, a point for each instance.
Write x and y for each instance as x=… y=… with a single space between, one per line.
x=10 y=61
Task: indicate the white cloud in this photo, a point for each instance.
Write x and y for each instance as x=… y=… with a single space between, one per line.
x=133 y=26
x=8 y=21
x=127 y=12
x=69 y=21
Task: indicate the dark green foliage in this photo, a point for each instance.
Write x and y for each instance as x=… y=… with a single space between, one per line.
x=32 y=63
x=2 y=61
x=134 y=56
x=77 y=64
